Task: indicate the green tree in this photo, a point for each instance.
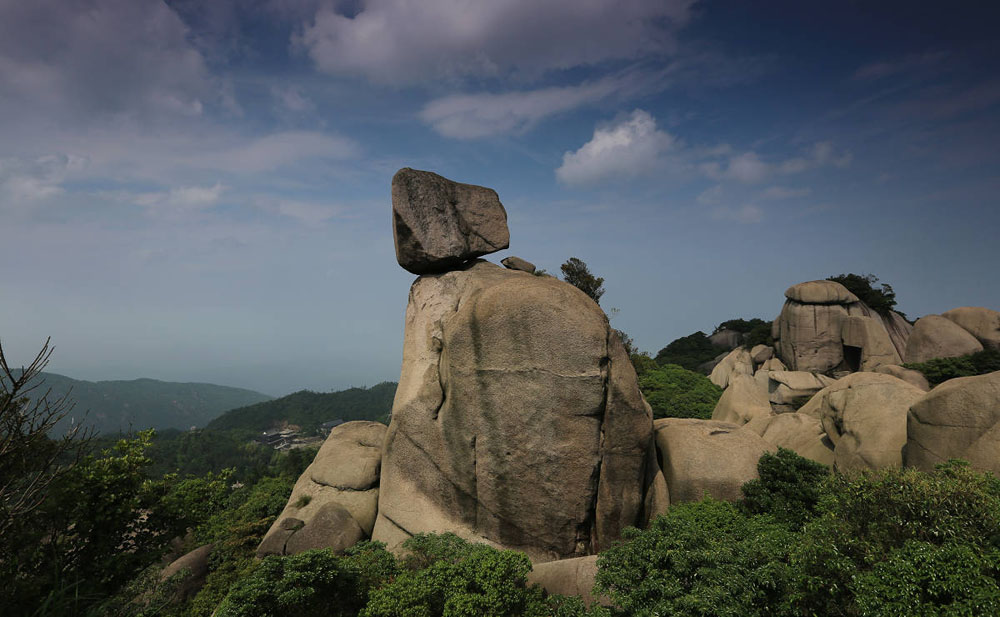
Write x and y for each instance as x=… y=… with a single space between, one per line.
x=882 y=300
x=576 y=273
x=788 y=488
x=675 y=392
x=689 y=351
x=940 y=370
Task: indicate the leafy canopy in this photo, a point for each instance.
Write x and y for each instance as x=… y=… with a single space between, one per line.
x=882 y=300
x=576 y=273
x=675 y=392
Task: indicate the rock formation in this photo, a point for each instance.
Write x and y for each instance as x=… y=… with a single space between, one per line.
x=982 y=323
x=334 y=502
x=936 y=337
x=958 y=419
x=439 y=224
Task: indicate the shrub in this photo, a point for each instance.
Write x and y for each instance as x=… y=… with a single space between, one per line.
x=448 y=577
x=875 y=525
x=939 y=370
x=675 y=392
x=705 y=558
x=788 y=489
x=314 y=583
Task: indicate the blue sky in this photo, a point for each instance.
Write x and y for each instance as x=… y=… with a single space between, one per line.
x=199 y=191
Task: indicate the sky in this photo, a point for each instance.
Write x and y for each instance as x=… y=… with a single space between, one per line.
x=199 y=191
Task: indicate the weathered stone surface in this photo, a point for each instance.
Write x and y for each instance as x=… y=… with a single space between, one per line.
x=761 y=354
x=982 y=323
x=707 y=456
x=737 y=362
x=957 y=419
x=899 y=331
x=788 y=390
x=195 y=564
x=706 y=368
x=438 y=224
x=795 y=431
x=727 y=339
x=809 y=336
x=820 y=292
x=567 y=577
x=869 y=336
x=864 y=415
x=345 y=474
x=744 y=400
x=910 y=376
x=934 y=336
x=516 y=263
x=509 y=382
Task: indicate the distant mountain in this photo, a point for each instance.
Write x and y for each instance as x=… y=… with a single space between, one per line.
x=113 y=406
x=310 y=409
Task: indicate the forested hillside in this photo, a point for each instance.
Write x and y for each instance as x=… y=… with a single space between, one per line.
x=123 y=406
x=308 y=409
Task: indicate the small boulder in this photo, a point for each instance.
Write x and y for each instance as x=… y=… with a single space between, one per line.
x=934 y=336
x=864 y=415
x=820 y=292
x=707 y=456
x=789 y=390
x=910 y=376
x=516 y=263
x=761 y=354
x=742 y=401
x=727 y=339
x=567 y=577
x=737 y=362
x=980 y=322
x=957 y=419
x=439 y=224
x=195 y=566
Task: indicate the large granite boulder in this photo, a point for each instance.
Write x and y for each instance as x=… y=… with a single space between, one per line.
x=334 y=502
x=798 y=432
x=864 y=416
x=568 y=577
x=934 y=336
x=439 y=224
x=808 y=330
x=701 y=457
x=866 y=343
x=517 y=421
x=980 y=322
x=744 y=400
x=958 y=419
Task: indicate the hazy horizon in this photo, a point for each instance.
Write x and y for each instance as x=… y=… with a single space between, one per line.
x=200 y=191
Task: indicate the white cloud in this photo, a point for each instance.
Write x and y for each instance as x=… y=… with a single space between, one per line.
x=35 y=179
x=182 y=197
x=748 y=213
x=630 y=148
x=711 y=195
x=747 y=167
x=400 y=41
x=275 y=151
x=469 y=116
x=291 y=98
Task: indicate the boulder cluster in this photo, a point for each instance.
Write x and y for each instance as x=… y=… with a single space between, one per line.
x=518 y=419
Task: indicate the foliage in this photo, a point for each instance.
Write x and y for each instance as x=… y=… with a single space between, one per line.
x=675 y=392
x=643 y=363
x=310 y=409
x=448 y=577
x=743 y=326
x=939 y=370
x=704 y=558
x=894 y=526
x=881 y=300
x=315 y=583
x=576 y=273
x=690 y=351
x=788 y=488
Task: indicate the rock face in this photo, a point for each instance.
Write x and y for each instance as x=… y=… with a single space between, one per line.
x=958 y=419
x=809 y=326
x=439 y=224
x=982 y=323
x=707 y=456
x=798 y=432
x=864 y=416
x=517 y=420
x=899 y=331
x=869 y=337
x=727 y=339
x=789 y=390
x=334 y=502
x=934 y=336
x=742 y=401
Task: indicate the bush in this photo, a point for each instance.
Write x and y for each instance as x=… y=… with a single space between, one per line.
x=882 y=300
x=940 y=370
x=446 y=576
x=788 y=489
x=315 y=583
x=689 y=351
x=675 y=392
x=705 y=558
x=875 y=526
